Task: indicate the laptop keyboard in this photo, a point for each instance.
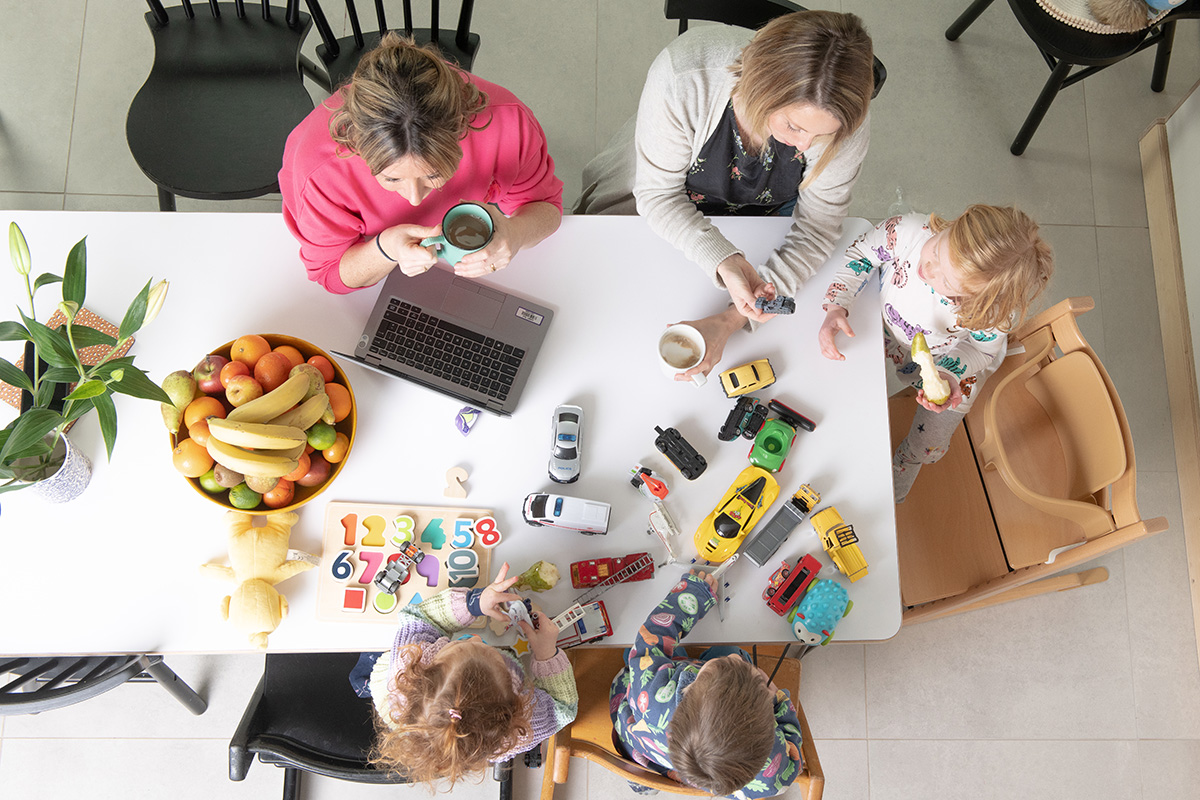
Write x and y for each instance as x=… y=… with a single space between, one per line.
x=439 y=348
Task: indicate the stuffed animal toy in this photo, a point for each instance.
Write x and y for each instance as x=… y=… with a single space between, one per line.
x=1128 y=15
x=823 y=606
x=259 y=559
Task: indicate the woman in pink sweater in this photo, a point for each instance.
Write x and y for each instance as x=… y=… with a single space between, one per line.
x=371 y=171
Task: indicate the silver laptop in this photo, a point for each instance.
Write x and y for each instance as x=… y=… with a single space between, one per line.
x=455 y=336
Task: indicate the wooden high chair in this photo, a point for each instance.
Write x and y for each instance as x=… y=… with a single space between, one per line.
x=590 y=736
x=1041 y=478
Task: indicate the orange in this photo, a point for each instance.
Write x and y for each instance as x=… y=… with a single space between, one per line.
x=294 y=356
x=190 y=458
x=281 y=495
x=300 y=471
x=337 y=451
x=203 y=408
x=231 y=369
x=272 y=370
x=324 y=365
x=249 y=349
x=198 y=432
x=339 y=400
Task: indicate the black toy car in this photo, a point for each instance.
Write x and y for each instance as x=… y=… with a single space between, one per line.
x=685 y=458
x=780 y=305
x=791 y=416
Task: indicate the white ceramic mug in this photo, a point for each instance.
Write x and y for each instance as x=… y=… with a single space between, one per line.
x=681 y=347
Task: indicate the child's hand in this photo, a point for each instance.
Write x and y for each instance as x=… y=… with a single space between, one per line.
x=836 y=319
x=956 y=395
x=707 y=578
x=745 y=286
x=543 y=640
x=497 y=592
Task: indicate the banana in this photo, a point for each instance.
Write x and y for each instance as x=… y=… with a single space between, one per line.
x=273 y=403
x=259 y=435
x=260 y=463
x=936 y=389
x=307 y=414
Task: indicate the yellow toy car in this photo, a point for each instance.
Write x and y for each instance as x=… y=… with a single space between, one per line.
x=747 y=378
x=840 y=542
x=744 y=503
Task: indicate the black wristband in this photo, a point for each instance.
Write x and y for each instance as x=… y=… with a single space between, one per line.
x=381 y=250
x=473 y=603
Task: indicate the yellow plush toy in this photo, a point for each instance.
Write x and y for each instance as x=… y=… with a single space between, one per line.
x=259 y=559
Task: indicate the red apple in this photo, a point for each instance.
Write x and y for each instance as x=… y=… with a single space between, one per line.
x=241 y=389
x=231 y=369
x=318 y=472
x=208 y=373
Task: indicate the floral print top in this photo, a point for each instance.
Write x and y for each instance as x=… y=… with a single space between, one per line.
x=726 y=180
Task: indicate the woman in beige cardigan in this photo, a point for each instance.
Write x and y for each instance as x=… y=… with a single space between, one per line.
x=733 y=122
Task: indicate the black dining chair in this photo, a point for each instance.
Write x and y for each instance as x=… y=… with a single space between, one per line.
x=36 y=684
x=751 y=14
x=226 y=89
x=1065 y=47
x=304 y=717
x=340 y=56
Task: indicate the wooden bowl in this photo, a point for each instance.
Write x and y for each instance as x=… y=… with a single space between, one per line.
x=347 y=426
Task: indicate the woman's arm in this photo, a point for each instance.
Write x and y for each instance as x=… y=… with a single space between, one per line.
x=370 y=261
x=529 y=224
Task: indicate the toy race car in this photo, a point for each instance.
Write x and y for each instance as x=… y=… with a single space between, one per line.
x=569 y=513
x=564 y=455
x=840 y=542
x=747 y=378
x=744 y=503
x=685 y=458
x=771 y=536
x=777 y=305
x=390 y=578
x=789 y=583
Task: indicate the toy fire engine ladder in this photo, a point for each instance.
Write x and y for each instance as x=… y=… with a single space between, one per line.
x=625 y=573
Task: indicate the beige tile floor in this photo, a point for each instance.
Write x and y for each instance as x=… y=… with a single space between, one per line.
x=1089 y=694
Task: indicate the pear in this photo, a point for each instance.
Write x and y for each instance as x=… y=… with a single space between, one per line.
x=260 y=484
x=180 y=386
x=316 y=381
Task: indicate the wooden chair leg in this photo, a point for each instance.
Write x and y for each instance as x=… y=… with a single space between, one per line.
x=1162 y=57
x=166 y=200
x=548 y=768
x=1057 y=583
x=1049 y=92
x=966 y=18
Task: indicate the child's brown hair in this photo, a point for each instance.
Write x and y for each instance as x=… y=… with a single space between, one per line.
x=723 y=729
x=1003 y=261
x=452 y=719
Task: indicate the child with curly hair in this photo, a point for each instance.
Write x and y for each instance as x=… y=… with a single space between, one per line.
x=449 y=705
x=963 y=283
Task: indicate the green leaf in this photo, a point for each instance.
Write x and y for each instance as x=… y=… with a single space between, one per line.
x=106 y=369
x=61 y=375
x=13 y=332
x=106 y=412
x=53 y=347
x=12 y=487
x=11 y=375
x=75 y=274
x=44 y=279
x=78 y=408
x=136 y=313
x=88 y=389
x=90 y=337
x=28 y=430
x=135 y=383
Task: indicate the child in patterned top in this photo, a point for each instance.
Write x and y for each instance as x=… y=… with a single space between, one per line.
x=964 y=283
x=449 y=705
x=713 y=722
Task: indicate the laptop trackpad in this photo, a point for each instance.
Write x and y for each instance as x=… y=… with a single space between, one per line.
x=467 y=302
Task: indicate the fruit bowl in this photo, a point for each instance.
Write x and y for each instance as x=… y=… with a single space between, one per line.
x=346 y=426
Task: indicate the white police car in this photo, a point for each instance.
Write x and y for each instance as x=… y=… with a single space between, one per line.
x=564 y=457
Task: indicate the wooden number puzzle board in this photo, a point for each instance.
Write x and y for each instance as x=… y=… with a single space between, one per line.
x=360 y=539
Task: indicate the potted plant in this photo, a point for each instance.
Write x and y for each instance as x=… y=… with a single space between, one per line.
x=33 y=446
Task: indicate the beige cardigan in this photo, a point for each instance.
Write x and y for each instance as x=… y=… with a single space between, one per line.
x=644 y=167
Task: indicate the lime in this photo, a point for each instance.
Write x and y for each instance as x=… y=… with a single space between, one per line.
x=208 y=482
x=242 y=496
x=322 y=436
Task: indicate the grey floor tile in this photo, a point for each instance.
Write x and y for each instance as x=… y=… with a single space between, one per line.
x=1047 y=667
x=37 y=97
x=127 y=769
x=1170 y=770
x=562 y=96
x=1133 y=342
x=1120 y=106
x=833 y=691
x=1076 y=274
x=1166 y=678
x=844 y=762
x=31 y=201
x=144 y=710
x=942 y=124
x=998 y=770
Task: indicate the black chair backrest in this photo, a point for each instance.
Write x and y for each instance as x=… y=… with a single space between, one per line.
x=462 y=30
x=292 y=13
x=43 y=684
x=751 y=14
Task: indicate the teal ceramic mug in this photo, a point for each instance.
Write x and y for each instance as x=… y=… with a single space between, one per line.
x=466 y=228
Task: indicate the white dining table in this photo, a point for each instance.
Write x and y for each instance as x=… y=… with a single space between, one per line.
x=117 y=570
